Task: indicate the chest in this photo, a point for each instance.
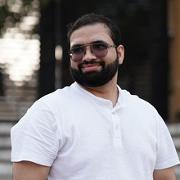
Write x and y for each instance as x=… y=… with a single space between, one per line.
x=95 y=133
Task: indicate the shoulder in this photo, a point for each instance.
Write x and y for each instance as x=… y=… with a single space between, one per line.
x=56 y=95
x=140 y=110
x=58 y=98
x=136 y=102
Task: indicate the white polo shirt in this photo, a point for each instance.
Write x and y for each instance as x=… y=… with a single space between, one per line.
x=83 y=137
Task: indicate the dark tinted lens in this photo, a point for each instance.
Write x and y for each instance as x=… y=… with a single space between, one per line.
x=99 y=46
x=77 y=53
x=99 y=49
x=78 y=50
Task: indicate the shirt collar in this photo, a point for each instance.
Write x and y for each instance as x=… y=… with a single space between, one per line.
x=103 y=102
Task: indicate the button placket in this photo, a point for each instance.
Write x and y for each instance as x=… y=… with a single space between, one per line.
x=116 y=129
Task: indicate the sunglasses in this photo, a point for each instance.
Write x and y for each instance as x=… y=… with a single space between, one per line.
x=99 y=49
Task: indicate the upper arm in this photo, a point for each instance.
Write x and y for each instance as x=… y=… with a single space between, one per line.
x=164 y=174
x=35 y=138
x=29 y=170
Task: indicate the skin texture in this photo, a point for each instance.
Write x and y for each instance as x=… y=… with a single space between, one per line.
x=25 y=170
x=164 y=174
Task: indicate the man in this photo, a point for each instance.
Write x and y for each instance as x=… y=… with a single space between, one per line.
x=93 y=130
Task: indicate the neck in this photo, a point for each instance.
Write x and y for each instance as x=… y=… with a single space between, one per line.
x=108 y=91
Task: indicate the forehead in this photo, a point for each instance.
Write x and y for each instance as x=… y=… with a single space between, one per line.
x=90 y=33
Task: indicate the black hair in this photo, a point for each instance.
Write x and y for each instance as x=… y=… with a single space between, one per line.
x=92 y=18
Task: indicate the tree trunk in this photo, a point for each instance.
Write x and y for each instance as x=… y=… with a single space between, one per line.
x=47 y=49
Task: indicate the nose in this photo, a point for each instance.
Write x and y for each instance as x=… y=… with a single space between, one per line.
x=88 y=54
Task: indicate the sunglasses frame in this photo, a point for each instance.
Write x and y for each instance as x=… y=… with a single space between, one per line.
x=81 y=54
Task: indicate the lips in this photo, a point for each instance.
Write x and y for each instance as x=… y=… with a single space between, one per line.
x=91 y=67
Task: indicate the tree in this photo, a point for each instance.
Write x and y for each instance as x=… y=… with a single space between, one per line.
x=144 y=32
x=12 y=12
x=47 y=48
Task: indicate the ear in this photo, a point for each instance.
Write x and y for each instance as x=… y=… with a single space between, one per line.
x=120 y=53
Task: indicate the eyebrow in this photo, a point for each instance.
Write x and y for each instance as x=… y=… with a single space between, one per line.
x=93 y=42
x=76 y=46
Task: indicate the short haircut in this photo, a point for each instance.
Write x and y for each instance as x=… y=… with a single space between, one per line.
x=92 y=18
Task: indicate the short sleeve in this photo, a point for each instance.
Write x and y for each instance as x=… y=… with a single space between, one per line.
x=166 y=152
x=35 y=137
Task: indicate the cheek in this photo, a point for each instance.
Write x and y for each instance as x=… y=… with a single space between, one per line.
x=73 y=65
x=111 y=56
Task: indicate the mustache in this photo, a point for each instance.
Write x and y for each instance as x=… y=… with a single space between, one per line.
x=85 y=62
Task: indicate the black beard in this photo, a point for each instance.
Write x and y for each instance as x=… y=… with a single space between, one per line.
x=95 y=79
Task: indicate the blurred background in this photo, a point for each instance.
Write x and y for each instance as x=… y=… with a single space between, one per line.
x=34 y=59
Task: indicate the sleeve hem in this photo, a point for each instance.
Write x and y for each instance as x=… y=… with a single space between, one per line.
x=40 y=161
x=167 y=164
